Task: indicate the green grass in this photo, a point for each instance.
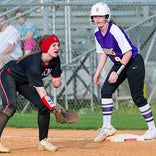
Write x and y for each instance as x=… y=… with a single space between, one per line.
x=126 y=117
x=29 y=120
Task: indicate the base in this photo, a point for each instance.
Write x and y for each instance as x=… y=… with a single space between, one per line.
x=125 y=138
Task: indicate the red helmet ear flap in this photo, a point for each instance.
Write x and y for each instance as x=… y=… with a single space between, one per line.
x=47 y=42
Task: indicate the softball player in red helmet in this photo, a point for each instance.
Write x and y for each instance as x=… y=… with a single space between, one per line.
x=26 y=77
x=112 y=42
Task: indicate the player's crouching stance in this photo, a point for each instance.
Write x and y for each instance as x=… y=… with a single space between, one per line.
x=25 y=76
x=112 y=41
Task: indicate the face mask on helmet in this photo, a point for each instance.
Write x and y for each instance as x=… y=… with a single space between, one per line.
x=100 y=9
x=47 y=42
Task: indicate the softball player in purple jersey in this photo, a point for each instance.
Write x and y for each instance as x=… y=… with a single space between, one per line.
x=25 y=76
x=111 y=41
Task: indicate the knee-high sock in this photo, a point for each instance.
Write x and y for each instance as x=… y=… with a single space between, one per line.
x=107 y=106
x=3 y=121
x=148 y=116
x=43 y=124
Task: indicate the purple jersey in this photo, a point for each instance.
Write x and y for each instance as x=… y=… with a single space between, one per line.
x=114 y=43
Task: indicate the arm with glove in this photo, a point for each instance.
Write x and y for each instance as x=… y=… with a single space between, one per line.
x=62 y=115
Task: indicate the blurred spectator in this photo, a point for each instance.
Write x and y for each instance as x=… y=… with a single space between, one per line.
x=40 y=10
x=10 y=48
x=41 y=2
x=29 y=33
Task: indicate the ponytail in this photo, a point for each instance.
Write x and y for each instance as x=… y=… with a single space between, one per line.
x=25 y=56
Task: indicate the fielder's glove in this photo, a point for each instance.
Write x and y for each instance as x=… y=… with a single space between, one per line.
x=65 y=116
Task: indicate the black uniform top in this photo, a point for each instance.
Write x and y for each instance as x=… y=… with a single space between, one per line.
x=32 y=70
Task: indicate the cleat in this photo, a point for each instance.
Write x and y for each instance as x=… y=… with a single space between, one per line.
x=150 y=134
x=104 y=133
x=3 y=149
x=45 y=145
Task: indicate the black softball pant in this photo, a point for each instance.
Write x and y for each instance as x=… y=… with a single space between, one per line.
x=8 y=92
x=135 y=74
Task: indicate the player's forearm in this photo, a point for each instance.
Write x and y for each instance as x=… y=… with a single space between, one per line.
x=127 y=56
x=101 y=62
x=47 y=101
x=41 y=91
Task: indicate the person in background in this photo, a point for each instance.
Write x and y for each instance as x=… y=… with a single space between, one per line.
x=40 y=10
x=10 y=48
x=112 y=42
x=29 y=32
x=25 y=76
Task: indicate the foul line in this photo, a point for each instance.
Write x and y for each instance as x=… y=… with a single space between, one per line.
x=28 y=137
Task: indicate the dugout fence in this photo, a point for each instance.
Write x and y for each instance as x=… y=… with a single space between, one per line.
x=69 y=19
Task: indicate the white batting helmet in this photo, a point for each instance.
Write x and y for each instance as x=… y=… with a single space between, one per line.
x=100 y=9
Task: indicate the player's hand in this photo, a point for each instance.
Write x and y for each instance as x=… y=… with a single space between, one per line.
x=113 y=77
x=57 y=82
x=96 y=79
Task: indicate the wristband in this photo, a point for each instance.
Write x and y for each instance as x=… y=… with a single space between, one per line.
x=48 y=102
x=119 y=68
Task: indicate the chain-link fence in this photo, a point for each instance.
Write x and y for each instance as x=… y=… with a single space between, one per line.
x=69 y=19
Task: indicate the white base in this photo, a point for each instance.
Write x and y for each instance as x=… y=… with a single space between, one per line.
x=125 y=138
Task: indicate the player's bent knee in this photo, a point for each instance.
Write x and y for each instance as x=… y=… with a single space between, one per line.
x=10 y=111
x=140 y=102
x=108 y=96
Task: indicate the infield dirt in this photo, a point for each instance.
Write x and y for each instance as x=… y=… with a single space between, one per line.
x=24 y=142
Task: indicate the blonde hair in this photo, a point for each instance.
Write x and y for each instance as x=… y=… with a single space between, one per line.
x=25 y=56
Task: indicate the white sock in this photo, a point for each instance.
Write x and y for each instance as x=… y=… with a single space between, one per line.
x=107 y=106
x=148 y=116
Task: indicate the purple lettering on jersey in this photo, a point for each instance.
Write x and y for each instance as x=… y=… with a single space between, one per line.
x=112 y=44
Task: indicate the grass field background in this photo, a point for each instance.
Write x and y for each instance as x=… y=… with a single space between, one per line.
x=126 y=117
